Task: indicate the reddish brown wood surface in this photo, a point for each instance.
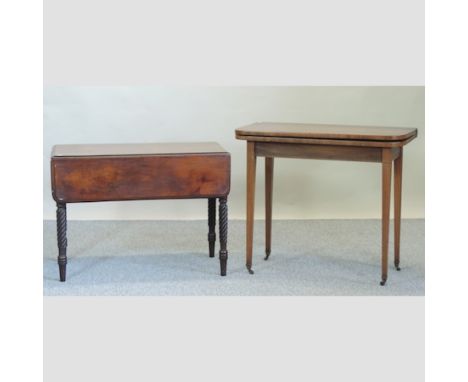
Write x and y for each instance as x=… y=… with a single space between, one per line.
x=112 y=178
x=324 y=131
x=333 y=142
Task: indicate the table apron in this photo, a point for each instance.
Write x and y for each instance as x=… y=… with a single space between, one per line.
x=327 y=152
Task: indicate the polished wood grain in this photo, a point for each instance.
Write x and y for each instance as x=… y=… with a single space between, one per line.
x=330 y=142
x=334 y=142
x=325 y=131
x=112 y=178
x=398 y=180
x=251 y=172
x=269 y=166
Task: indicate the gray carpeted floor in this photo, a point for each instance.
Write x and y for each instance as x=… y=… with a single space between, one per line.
x=313 y=257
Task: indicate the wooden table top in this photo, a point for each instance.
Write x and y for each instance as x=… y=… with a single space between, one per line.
x=324 y=131
x=136 y=149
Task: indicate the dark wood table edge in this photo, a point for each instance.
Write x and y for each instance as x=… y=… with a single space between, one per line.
x=323 y=141
x=323 y=135
x=221 y=153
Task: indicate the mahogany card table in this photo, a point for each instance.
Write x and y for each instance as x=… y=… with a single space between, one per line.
x=383 y=145
x=118 y=172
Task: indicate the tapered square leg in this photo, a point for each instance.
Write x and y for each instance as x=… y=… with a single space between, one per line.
x=269 y=163
x=398 y=166
x=211 y=225
x=251 y=171
x=386 y=191
x=62 y=239
x=223 y=232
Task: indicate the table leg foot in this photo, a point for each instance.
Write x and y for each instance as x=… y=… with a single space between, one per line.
x=223 y=263
x=212 y=249
x=397 y=266
x=63 y=272
x=249 y=269
x=383 y=282
x=267 y=254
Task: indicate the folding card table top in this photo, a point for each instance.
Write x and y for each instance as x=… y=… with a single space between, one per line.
x=334 y=142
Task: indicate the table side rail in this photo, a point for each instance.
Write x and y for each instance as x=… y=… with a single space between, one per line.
x=328 y=152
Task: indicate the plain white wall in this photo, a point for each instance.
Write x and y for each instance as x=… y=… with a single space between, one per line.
x=303 y=189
